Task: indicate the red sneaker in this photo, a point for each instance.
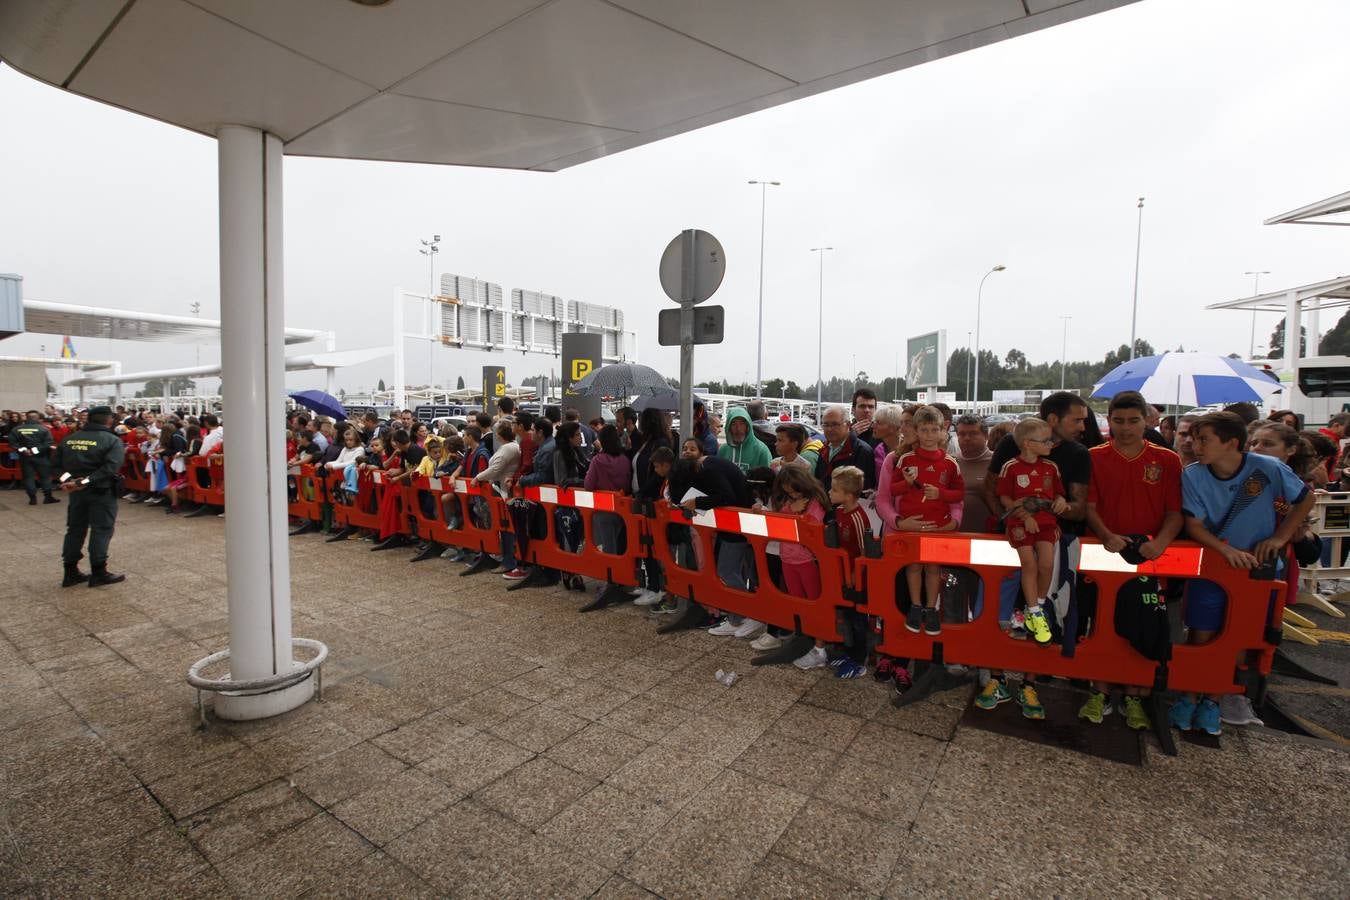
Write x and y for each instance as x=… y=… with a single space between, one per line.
x=515 y=574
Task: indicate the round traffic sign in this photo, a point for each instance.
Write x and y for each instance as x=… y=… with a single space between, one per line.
x=692 y=266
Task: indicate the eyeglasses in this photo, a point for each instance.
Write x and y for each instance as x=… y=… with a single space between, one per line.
x=1044 y=440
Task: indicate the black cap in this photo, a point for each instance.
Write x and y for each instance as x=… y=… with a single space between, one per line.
x=100 y=411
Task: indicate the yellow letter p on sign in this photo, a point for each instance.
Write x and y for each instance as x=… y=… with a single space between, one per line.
x=581 y=368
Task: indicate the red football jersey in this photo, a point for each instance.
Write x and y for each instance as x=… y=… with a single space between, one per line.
x=1021 y=479
x=927 y=467
x=853 y=526
x=1132 y=495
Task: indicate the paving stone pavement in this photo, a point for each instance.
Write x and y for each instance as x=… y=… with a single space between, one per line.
x=478 y=743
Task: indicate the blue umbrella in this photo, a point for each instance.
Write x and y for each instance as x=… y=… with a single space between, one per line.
x=1195 y=379
x=321 y=403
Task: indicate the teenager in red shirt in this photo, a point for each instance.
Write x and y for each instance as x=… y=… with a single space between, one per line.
x=930 y=487
x=1032 y=495
x=1135 y=490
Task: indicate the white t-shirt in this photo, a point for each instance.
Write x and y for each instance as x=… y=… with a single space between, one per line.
x=211 y=443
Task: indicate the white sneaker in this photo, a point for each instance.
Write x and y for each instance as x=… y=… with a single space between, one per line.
x=749 y=628
x=647 y=598
x=724 y=628
x=766 y=641
x=1236 y=709
x=814 y=658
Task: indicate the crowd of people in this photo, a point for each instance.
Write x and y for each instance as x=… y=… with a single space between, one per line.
x=1237 y=484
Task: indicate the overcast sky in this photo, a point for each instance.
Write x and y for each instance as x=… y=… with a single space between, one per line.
x=1028 y=153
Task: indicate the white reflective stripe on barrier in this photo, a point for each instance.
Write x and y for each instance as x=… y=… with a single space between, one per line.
x=992 y=553
x=433 y=484
x=962 y=550
x=548 y=495
x=377 y=478
x=749 y=523
x=1096 y=558
x=583 y=499
x=461 y=486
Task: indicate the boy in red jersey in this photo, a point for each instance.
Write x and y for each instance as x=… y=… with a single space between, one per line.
x=931 y=486
x=1135 y=490
x=1032 y=494
x=846 y=487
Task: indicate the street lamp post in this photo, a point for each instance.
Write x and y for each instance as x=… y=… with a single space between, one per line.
x=820 y=336
x=970 y=359
x=1134 y=308
x=759 y=334
x=1256 y=292
x=1064 y=351
x=979 y=299
x=429 y=250
x=197 y=311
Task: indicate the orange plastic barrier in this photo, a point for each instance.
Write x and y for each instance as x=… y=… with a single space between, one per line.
x=364 y=509
x=818 y=618
x=206 y=481
x=436 y=528
x=1102 y=655
x=134 y=476
x=9 y=468
x=591 y=561
x=310 y=494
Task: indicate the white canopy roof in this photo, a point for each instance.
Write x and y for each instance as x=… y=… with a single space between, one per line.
x=45 y=317
x=1304 y=215
x=525 y=84
x=1328 y=294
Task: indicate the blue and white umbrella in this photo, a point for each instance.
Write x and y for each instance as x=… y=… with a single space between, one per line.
x=1189 y=379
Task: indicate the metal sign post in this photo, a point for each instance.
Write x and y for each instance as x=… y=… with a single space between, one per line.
x=691 y=271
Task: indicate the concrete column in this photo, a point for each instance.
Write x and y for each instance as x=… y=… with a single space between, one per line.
x=1314 y=327
x=257 y=561
x=1292 y=317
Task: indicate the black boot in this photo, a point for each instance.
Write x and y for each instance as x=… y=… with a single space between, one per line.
x=102 y=576
x=32 y=499
x=392 y=542
x=430 y=551
x=73 y=575
x=50 y=499
x=340 y=535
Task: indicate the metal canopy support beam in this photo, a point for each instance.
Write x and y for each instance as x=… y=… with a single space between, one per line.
x=257 y=561
x=1292 y=318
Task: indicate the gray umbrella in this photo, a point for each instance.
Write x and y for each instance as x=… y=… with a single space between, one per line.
x=668 y=400
x=621 y=379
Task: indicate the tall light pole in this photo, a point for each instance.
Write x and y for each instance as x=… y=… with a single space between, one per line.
x=979 y=298
x=197 y=311
x=429 y=250
x=759 y=335
x=820 y=336
x=1064 y=351
x=970 y=359
x=1134 y=308
x=1256 y=292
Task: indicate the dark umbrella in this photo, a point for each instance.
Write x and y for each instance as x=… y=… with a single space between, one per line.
x=621 y=379
x=667 y=400
x=321 y=403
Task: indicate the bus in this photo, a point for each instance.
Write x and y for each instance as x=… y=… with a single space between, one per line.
x=1319 y=388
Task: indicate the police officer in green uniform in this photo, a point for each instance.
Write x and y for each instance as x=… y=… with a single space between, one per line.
x=33 y=443
x=90 y=460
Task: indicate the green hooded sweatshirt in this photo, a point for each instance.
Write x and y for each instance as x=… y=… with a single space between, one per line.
x=751 y=452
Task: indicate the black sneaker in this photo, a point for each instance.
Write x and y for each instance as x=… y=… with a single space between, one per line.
x=932 y=621
x=914 y=619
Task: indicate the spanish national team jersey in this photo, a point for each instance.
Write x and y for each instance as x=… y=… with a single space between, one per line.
x=1132 y=495
x=1242 y=509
